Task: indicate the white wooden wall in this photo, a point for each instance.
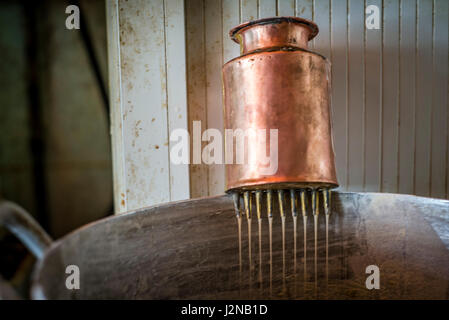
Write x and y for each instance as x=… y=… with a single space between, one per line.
x=146 y=47
x=389 y=94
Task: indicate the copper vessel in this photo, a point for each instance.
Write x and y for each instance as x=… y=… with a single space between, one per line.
x=278 y=83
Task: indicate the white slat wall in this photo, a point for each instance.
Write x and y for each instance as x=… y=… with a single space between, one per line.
x=389 y=94
x=146 y=47
x=439 y=173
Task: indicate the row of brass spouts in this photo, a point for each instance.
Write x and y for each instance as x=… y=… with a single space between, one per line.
x=298 y=202
x=247 y=195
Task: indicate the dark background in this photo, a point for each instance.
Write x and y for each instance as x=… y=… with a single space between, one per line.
x=55 y=158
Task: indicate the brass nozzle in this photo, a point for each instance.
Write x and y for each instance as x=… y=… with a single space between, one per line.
x=327 y=201
x=247 y=203
x=258 y=198
x=302 y=195
x=281 y=202
x=236 y=199
x=294 y=202
x=270 y=203
x=315 y=202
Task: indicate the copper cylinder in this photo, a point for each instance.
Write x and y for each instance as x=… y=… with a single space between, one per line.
x=277 y=83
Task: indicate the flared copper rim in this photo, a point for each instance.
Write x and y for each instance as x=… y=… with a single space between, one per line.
x=309 y=24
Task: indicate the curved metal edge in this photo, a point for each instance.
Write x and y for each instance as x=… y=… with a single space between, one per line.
x=271 y=20
x=20 y=223
x=38 y=293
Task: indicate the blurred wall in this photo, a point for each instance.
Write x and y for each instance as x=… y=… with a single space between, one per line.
x=16 y=172
x=54 y=138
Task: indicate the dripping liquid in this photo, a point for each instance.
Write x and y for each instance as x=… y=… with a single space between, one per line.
x=283 y=251
x=259 y=222
x=250 y=260
x=305 y=253
x=270 y=235
x=327 y=254
x=295 y=223
x=239 y=223
x=282 y=239
x=315 y=260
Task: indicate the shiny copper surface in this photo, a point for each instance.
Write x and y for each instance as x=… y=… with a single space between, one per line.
x=278 y=84
x=273 y=32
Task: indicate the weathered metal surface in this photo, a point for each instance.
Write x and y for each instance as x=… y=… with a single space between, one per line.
x=189 y=249
x=278 y=84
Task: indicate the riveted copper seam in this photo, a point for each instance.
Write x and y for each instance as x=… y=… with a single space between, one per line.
x=278 y=83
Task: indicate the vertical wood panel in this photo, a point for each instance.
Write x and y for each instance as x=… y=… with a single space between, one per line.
x=196 y=89
x=214 y=60
x=373 y=94
x=407 y=76
x=176 y=91
x=339 y=85
x=322 y=19
x=390 y=97
x=231 y=18
x=423 y=98
x=248 y=9
x=356 y=101
x=286 y=8
x=267 y=8
x=144 y=102
x=116 y=105
x=440 y=102
x=304 y=9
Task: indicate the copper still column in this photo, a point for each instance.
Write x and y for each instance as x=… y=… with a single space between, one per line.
x=277 y=83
